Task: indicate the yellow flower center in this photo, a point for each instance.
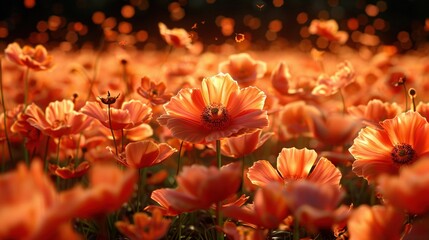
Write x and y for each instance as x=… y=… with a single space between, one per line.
x=215 y=117
x=403 y=153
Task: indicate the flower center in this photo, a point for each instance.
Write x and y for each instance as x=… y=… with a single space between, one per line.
x=215 y=117
x=403 y=153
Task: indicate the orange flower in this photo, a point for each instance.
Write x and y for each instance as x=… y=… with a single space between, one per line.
x=243 y=145
x=235 y=232
x=408 y=191
x=315 y=205
x=70 y=171
x=328 y=29
x=295 y=164
x=154 y=92
x=59 y=119
x=34 y=58
x=199 y=187
x=329 y=85
x=280 y=79
x=30 y=207
x=177 y=37
x=375 y=111
x=144 y=154
x=269 y=208
x=145 y=227
x=377 y=222
x=243 y=68
x=131 y=114
x=219 y=110
x=398 y=142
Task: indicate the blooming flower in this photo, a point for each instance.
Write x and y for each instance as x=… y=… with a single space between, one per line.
x=154 y=92
x=219 y=110
x=328 y=29
x=295 y=164
x=145 y=227
x=377 y=222
x=375 y=111
x=243 y=68
x=177 y=37
x=131 y=114
x=59 y=119
x=70 y=171
x=35 y=58
x=398 y=142
x=243 y=145
x=328 y=85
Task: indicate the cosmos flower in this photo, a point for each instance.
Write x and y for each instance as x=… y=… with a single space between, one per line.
x=376 y=222
x=243 y=145
x=295 y=164
x=328 y=85
x=144 y=226
x=375 y=111
x=177 y=37
x=154 y=92
x=243 y=68
x=328 y=29
x=400 y=141
x=35 y=58
x=219 y=110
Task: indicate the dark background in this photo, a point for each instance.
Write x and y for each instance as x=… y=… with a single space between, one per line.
x=401 y=15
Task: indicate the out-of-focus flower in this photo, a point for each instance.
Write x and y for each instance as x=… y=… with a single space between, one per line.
x=59 y=119
x=177 y=37
x=328 y=29
x=269 y=208
x=131 y=114
x=398 y=142
x=377 y=222
x=144 y=226
x=219 y=110
x=199 y=187
x=281 y=80
x=154 y=92
x=408 y=191
x=375 y=111
x=328 y=85
x=295 y=164
x=144 y=154
x=243 y=68
x=70 y=170
x=30 y=208
x=243 y=145
x=35 y=58
x=423 y=109
x=315 y=205
x=235 y=232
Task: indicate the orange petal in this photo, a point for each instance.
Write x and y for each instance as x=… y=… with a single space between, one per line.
x=262 y=173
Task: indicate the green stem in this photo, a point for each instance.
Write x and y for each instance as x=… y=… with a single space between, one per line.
x=9 y=147
x=58 y=160
x=45 y=156
x=76 y=158
x=141 y=187
x=26 y=76
x=406 y=96
x=111 y=130
x=219 y=204
x=180 y=226
x=296 y=229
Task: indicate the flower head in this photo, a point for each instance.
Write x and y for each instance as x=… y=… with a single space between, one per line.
x=384 y=150
x=177 y=37
x=243 y=68
x=245 y=144
x=154 y=92
x=35 y=58
x=328 y=85
x=219 y=110
x=328 y=29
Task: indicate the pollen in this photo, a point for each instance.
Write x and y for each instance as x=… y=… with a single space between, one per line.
x=215 y=117
x=403 y=153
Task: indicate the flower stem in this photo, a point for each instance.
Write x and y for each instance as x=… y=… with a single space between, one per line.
x=141 y=187
x=26 y=76
x=111 y=130
x=179 y=158
x=219 y=204
x=296 y=229
x=406 y=96
x=45 y=156
x=242 y=173
x=9 y=147
x=58 y=160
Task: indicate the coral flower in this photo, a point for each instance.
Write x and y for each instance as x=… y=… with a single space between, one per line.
x=154 y=92
x=70 y=171
x=131 y=114
x=219 y=110
x=199 y=187
x=59 y=119
x=295 y=164
x=328 y=29
x=398 y=142
x=145 y=154
x=329 y=85
x=235 y=232
x=35 y=58
x=375 y=111
x=145 y=227
x=177 y=37
x=243 y=145
x=243 y=68
x=377 y=222
x=269 y=208
x=408 y=191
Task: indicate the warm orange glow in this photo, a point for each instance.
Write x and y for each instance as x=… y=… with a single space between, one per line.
x=54 y=22
x=3 y=32
x=302 y=17
x=278 y=3
x=352 y=24
x=29 y=3
x=275 y=26
x=42 y=26
x=98 y=17
x=141 y=36
x=127 y=11
x=403 y=36
x=371 y=10
x=125 y=27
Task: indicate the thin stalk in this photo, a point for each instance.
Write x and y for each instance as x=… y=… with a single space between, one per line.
x=141 y=186
x=76 y=157
x=296 y=229
x=111 y=129
x=179 y=158
x=180 y=226
x=26 y=76
x=242 y=173
x=219 y=217
x=58 y=160
x=45 y=156
x=406 y=96
x=9 y=147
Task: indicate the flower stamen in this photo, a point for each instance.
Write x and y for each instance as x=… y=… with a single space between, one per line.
x=215 y=117
x=403 y=153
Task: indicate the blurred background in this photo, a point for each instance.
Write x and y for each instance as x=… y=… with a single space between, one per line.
x=73 y=24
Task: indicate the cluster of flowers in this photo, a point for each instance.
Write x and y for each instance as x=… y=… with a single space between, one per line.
x=356 y=168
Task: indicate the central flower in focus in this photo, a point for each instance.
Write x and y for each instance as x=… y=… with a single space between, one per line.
x=220 y=109
x=403 y=153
